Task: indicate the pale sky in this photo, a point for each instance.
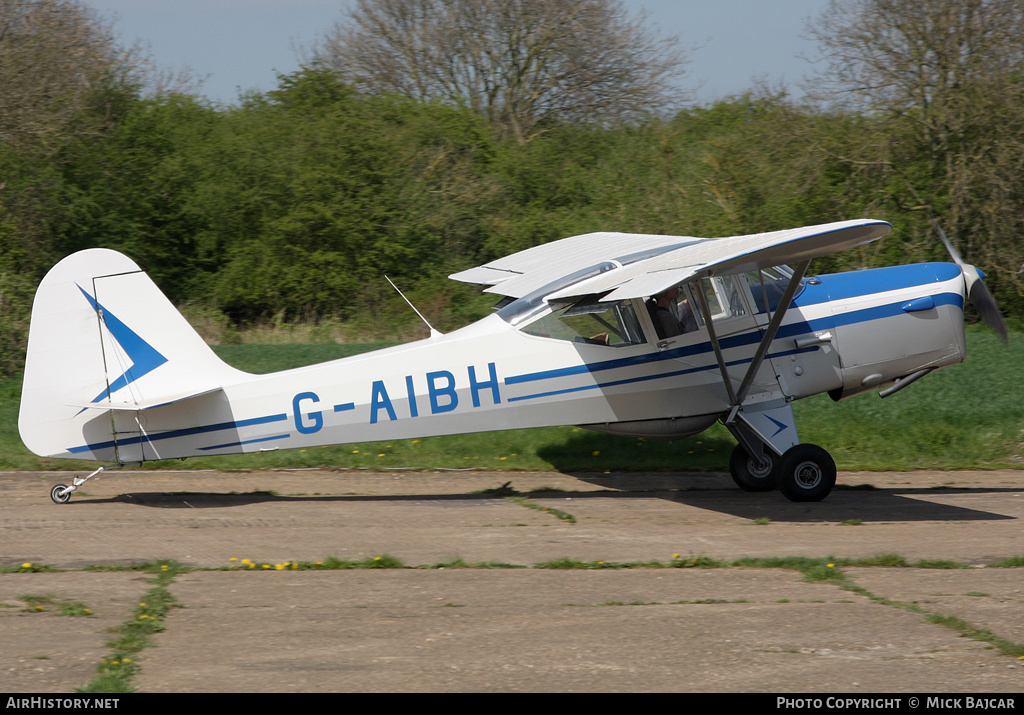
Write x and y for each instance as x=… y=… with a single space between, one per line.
x=244 y=44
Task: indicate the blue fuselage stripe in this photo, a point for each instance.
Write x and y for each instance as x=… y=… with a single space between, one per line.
x=178 y=433
x=659 y=376
x=247 y=441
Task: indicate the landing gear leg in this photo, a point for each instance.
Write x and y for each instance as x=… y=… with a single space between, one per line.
x=751 y=475
x=806 y=473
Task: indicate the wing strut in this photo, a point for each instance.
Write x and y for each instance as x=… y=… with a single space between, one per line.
x=771 y=330
x=753 y=438
x=736 y=398
x=703 y=300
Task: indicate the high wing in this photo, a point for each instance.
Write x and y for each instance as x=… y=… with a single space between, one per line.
x=640 y=265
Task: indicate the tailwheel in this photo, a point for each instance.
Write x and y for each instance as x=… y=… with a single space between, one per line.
x=60 y=494
x=751 y=475
x=806 y=473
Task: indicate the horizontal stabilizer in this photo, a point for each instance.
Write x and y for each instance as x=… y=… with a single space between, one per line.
x=106 y=404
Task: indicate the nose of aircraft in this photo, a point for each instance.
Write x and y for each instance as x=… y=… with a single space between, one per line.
x=977 y=292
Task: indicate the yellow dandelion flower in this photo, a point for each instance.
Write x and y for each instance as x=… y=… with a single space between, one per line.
x=246 y=561
x=26 y=566
x=279 y=567
x=233 y=558
x=675 y=556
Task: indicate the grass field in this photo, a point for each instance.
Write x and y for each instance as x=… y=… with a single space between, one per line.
x=962 y=417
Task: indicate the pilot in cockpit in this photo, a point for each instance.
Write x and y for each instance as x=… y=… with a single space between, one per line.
x=667 y=322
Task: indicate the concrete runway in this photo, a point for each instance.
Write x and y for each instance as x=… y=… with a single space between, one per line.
x=524 y=629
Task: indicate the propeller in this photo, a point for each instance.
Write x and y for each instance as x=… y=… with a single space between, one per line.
x=977 y=292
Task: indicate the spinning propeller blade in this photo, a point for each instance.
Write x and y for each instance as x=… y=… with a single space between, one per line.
x=977 y=292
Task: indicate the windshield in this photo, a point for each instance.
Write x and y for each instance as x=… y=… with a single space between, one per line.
x=590 y=321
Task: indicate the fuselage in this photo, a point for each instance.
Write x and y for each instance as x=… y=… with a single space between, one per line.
x=843 y=334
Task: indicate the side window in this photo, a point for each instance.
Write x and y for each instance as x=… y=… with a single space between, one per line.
x=726 y=296
x=590 y=321
x=767 y=286
x=675 y=311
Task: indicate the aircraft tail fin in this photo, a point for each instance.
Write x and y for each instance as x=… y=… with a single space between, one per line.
x=103 y=337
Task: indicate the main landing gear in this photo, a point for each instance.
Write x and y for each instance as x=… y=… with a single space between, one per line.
x=806 y=472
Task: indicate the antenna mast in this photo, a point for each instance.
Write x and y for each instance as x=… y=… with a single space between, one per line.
x=433 y=333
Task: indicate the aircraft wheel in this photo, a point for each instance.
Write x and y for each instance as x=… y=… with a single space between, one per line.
x=58 y=495
x=806 y=473
x=749 y=474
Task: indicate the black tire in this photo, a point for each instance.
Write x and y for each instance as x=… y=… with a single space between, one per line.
x=749 y=475
x=806 y=473
x=56 y=495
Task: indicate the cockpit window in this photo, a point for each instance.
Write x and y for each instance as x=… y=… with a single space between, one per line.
x=590 y=321
x=674 y=311
x=767 y=286
x=524 y=309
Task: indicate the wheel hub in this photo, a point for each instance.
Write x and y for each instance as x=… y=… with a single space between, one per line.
x=759 y=470
x=808 y=475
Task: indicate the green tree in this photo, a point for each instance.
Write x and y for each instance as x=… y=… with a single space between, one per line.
x=332 y=189
x=944 y=79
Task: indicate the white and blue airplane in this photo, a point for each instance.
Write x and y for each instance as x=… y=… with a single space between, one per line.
x=630 y=334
